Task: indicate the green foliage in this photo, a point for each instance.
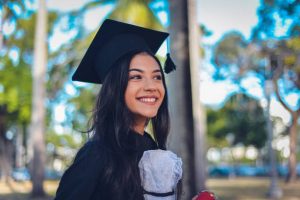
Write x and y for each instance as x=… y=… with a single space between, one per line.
x=286 y=66
x=16 y=93
x=81 y=108
x=241 y=116
x=62 y=140
x=136 y=12
x=15 y=76
x=267 y=55
x=274 y=15
x=11 y=10
x=282 y=49
x=230 y=58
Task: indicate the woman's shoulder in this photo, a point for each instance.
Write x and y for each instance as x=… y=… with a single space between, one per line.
x=89 y=158
x=92 y=149
x=81 y=178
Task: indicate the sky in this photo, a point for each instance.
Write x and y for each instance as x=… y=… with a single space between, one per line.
x=222 y=16
x=219 y=16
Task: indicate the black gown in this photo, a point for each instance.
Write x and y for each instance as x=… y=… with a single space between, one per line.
x=81 y=180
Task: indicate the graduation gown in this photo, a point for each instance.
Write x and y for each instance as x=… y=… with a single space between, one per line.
x=81 y=180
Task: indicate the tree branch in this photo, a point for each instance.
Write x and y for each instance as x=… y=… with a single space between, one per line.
x=279 y=97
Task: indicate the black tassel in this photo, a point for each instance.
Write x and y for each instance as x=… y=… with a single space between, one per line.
x=169 y=64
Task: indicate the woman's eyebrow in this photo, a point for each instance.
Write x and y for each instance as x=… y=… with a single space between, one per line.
x=142 y=71
x=157 y=70
x=135 y=69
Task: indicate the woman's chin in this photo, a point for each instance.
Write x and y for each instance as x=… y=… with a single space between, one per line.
x=148 y=115
x=151 y=115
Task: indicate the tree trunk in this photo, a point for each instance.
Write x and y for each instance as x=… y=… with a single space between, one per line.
x=292 y=175
x=1 y=34
x=5 y=164
x=199 y=116
x=37 y=127
x=19 y=148
x=186 y=129
x=4 y=160
x=3 y=16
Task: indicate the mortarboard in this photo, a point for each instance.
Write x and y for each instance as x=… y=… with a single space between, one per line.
x=113 y=40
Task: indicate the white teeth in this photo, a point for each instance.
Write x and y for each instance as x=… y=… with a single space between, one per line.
x=150 y=100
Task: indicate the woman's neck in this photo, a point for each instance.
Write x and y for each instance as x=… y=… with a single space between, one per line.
x=139 y=126
x=139 y=129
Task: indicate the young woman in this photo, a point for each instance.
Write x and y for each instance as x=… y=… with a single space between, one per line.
x=133 y=94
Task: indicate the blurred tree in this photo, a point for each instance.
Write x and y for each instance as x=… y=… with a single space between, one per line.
x=19 y=49
x=231 y=59
x=37 y=126
x=15 y=104
x=278 y=35
x=83 y=109
x=61 y=148
x=131 y=11
x=187 y=136
x=14 y=93
x=236 y=60
x=15 y=76
x=285 y=64
x=277 y=20
x=181 y=139
x=10 y=11
x=61 y=140
x=243 y=117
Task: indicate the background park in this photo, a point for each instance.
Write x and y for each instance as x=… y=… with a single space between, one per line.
x=234 y=98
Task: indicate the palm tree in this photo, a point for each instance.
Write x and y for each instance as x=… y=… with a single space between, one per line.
x=187 y=117
x=199 y=113
x=37 y=127
x=130 y=11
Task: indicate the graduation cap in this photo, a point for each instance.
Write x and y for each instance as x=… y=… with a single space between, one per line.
x=113 y=40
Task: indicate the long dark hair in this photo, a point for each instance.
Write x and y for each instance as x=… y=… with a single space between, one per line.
x=112 y=122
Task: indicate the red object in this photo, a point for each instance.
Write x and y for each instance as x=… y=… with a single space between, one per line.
x=206 y=195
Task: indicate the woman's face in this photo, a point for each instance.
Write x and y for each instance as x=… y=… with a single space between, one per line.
x=145 y=90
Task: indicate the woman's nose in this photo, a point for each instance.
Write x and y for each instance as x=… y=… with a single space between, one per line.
x=149 y=85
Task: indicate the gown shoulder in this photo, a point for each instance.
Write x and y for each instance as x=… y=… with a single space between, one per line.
x=81 y=178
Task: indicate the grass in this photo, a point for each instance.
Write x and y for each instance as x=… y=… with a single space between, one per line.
x=225 y=189
x=250 y=188
x=21 y=190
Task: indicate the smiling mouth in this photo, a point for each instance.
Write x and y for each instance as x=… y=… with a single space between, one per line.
x=148 y=99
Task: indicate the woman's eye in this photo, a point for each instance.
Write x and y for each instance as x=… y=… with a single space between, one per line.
x=135 y=77
x=158 y=77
